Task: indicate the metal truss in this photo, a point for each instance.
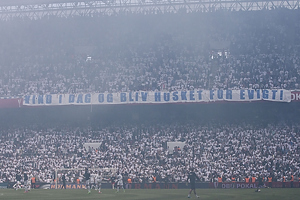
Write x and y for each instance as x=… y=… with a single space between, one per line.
x=34 y=10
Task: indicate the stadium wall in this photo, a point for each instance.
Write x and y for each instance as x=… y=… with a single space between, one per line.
x=243 y=185
x=236 y=185
x=3 y=185
x=38 y=185
x=11 y=102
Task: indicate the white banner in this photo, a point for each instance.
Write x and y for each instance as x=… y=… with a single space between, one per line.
x=151 y=97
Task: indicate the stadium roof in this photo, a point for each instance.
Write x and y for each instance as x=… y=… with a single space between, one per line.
x=29 y=2
x=35 y=9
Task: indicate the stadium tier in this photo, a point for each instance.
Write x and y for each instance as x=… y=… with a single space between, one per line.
x=162 y=52
x=178 y=61
x=225 y=139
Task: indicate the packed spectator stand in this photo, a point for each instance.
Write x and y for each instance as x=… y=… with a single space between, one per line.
x=140 y=152
x=161 y=52
x=222 y=49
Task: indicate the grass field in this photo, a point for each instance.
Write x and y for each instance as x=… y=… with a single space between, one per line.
x=172 y=194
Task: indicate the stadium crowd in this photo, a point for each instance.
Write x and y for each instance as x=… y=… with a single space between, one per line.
x=225 y=50
x=140 y=152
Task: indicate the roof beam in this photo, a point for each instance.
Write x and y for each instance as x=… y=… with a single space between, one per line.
x=41 y=8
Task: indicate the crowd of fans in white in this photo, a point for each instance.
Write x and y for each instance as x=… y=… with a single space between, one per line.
x=219 y=50
x=129 y=55
x=141 y=153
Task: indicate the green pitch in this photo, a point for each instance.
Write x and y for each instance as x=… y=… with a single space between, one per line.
x=164 y=194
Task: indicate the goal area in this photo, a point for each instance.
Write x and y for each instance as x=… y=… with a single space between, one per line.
x=106 y=172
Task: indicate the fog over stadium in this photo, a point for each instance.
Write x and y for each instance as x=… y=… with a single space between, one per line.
x=149 y=91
